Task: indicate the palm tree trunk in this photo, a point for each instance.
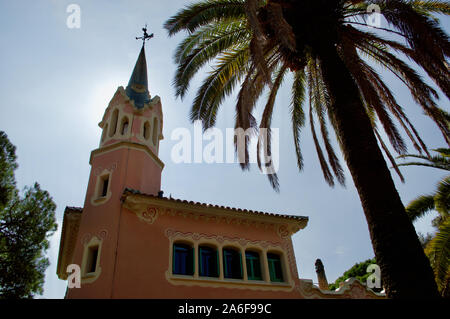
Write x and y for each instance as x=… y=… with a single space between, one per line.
x=405 y=270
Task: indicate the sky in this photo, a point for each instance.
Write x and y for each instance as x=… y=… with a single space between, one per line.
x=56 y=83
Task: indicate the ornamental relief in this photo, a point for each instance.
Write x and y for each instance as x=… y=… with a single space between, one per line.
x=150 y=214
x=111 y=168
x=243 y=242
x=101 y=234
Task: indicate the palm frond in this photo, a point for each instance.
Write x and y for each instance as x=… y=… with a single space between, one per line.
x=442 y=197
x=439 y=250
x=420 y=206
x=297 y=113
x=389 y=155
x=229 y=70
x=313 y=100
x=321 y=106
x=436 y=161
x=204 y=12
x=265 y=139
x=203 y=46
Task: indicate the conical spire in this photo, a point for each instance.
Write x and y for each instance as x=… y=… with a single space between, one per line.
x=137 y=89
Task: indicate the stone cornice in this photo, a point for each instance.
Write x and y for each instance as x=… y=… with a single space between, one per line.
x=129 y=145
x=69 y=232
x=148 y=208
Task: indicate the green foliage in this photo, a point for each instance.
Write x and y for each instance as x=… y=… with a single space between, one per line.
x=358 y=271
x=26 y=223
x=437 y=247
x=7 y=166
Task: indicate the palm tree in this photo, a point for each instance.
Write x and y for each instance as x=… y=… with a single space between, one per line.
x=255 y=43
x=438 y=248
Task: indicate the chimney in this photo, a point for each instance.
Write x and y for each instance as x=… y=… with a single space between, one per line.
x=322 y=278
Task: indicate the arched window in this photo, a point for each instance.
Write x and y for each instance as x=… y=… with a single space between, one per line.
x=146 y=131
x=253 y=265
x=105 y=130
x=232 y=263
x=155 y=131
x=275 y=269
x=208 y=261
x=124 y=126
x=183 y=259
x=114 y=119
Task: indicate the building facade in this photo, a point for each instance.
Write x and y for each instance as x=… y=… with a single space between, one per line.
x=132 y=242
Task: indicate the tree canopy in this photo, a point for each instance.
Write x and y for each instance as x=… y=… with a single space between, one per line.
x=358 y=271
x=26 y=223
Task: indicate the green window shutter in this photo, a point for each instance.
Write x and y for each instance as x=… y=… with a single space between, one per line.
x=174 y=252
x=275 y=269
x=200 y=264
x=271 y=270
x=193 y=260
x=249 y=268
x=240 y=264
x=217 y=264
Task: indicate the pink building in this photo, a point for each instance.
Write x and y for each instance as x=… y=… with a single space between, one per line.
x=131 y=242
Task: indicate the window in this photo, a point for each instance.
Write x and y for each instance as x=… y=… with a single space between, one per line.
x=208 y=262
x=91 y=264
x=124 y=126
x=105 y=130
x=275 y=270
x=114 y=118
x=183 y=259
x=232 y=263
x=104 y=183
x=253 y=265
x=146 y=131
x=155 y=131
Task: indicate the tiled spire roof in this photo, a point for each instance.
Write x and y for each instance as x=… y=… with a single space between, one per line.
x=137 y=89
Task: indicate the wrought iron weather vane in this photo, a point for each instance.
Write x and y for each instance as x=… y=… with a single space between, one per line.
x=146 y=36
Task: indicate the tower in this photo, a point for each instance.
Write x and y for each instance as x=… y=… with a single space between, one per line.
x=127 y=157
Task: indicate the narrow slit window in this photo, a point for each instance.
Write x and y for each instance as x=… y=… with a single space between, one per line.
x=232 y=263
x=124 y=125
x=253 y=265
x=104 y=185
x=183 y=259
x=155 y=131
x=146 y=131
x=105 y=131
x=114 y=119
x=275 y=269
x=91 y=265
x=208 y=262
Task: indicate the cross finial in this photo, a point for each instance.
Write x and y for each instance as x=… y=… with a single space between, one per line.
x=146 y=36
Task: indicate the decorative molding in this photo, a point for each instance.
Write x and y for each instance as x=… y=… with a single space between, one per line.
x=150 y=212
x=101 y=234
x=243 y=242
x=69 y=233
x=100 y=171
x=227 y=283
x=149 y=215
x=352 y=288
x=127 y=145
